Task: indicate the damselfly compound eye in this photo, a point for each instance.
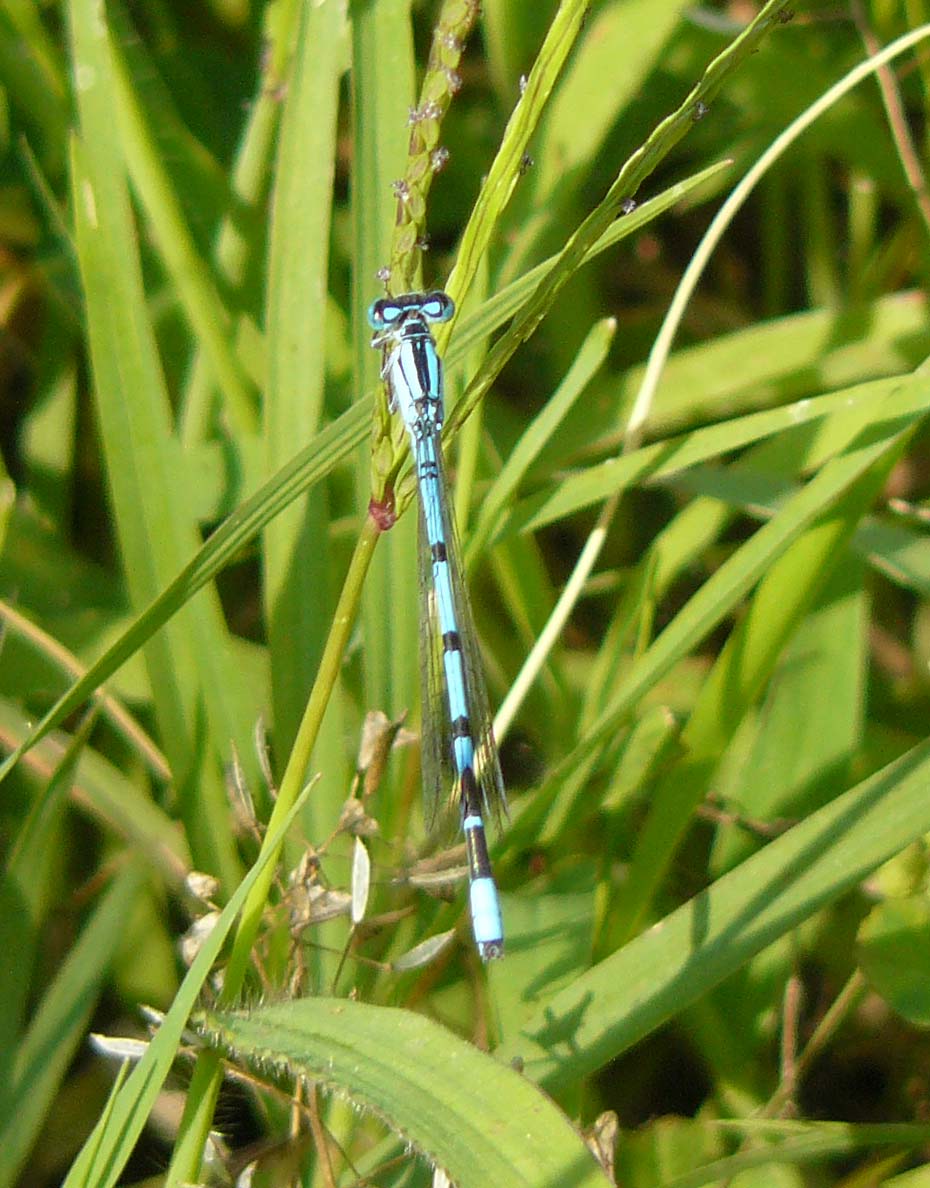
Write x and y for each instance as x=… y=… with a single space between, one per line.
x=437 y=307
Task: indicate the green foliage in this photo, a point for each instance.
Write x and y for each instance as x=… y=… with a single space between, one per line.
x=398 y=1064
x=692 y=489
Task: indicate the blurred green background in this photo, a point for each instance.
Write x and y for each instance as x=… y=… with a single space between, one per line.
x=195 y=204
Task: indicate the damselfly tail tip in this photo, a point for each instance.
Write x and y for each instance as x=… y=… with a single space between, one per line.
x=486 y=918
x=490 y=950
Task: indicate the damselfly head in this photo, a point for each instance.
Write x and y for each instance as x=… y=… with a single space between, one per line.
x=387 y=313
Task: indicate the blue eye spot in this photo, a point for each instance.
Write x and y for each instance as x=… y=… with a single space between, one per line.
x=437 y=307
x=383 y=312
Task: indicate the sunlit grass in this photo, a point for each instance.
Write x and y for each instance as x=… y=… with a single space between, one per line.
x=693 y=512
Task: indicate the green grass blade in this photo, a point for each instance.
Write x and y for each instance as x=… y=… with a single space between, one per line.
x=241 y=236
x=649 y=981
x=742 y=669
x=189 y=273
x=801 y=1143
x=485 y=1125
x=110 y=1144
x=27 y=895
x=107 y=796
x=719 y=594
x=58 y=1025
x=473 y=328
x=898 y=551
x=763 y=366
x=587 y=363
x=813 y=715
x=33 y=75
x=506 y=168
x=623 y=42
x=297 y=577
x=154 y=530
x=651 y=463
x=313 y=463
x=733 y=580
x=384 y=82
x=646 y=159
